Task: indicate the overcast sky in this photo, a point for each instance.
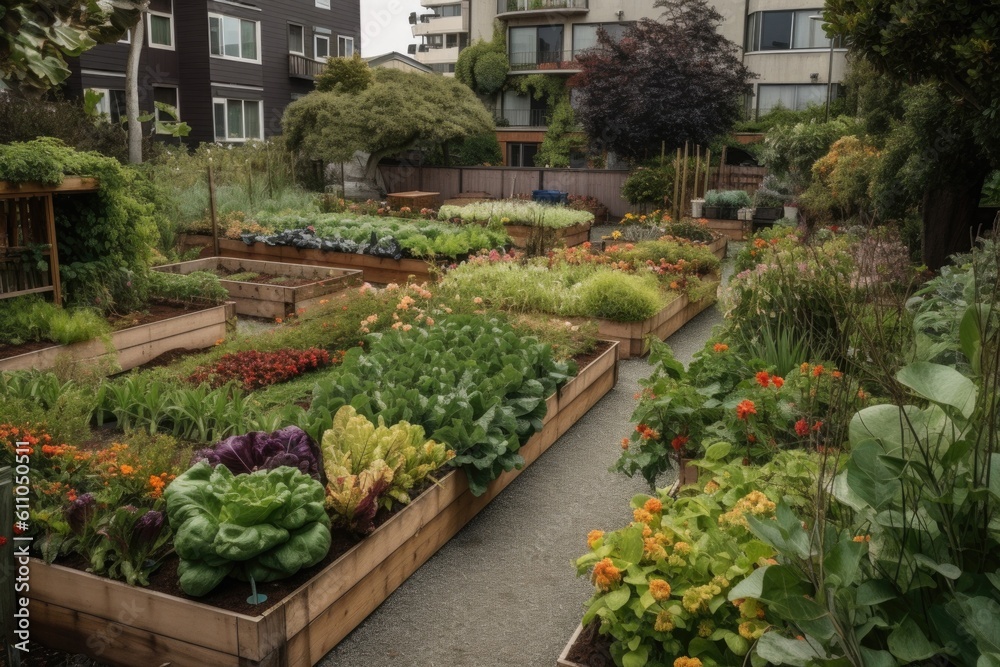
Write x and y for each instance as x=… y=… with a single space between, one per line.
x=385 y=26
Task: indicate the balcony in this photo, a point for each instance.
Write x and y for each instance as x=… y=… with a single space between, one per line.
x=441 y=25
x=544 y=61
x=508 y=8
x=521 y=117
x=300 y=67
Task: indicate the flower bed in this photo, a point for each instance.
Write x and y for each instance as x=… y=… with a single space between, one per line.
x=633 y=335
x=136 y=345
x=529 y=224
x=123 y=625
x=270 y=301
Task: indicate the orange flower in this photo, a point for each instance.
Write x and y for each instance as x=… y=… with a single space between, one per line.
x=679 y=442
x=593 y=536
x=802 y=428
x=817 y=371
x=861 y=394
x=837 y=375
x=804 y=368
x=763 y=379
x=606 y=575
x=778 y=382
x=624 y=443
x=720 y=347
x=659 y=589
x=862 y=538
x=641 y=516
x=278 y=320
x=126 y=469
x=745 y=408
x=653 y=505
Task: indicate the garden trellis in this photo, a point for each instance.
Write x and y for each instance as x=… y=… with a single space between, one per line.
x=29 y=255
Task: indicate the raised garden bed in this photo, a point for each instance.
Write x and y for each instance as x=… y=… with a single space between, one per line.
x=569 y=236
x=582 y=643
x=734 y=230
x=374 y=269
x=632 y=335
x=135 y=345
x=309 y=284
x=123 y=625
x=719 y=247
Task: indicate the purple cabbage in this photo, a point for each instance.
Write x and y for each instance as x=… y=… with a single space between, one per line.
x=243 y=454
x=147 y=529
x=80 y=512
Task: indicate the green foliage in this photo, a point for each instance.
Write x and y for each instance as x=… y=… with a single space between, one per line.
x=728 y=198
x=73 y=326
x=621 y=297
x=482 y=149
x=562 y=137
x=400 y=110
x=484 y=400
x=791 y=150
x=483 y=66
x=780 y=115
x=360 y=457
x=195 y=287
x=490 y=72
x=33 y=319
x=345 y=75
x=267 y=525
x=648 y=186
x=841 y=181
x=516 y=212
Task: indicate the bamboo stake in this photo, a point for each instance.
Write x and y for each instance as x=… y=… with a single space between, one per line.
x=684 y=184
x=708 y=169
x=697 y=171
x=211 y=208
x=677 y=184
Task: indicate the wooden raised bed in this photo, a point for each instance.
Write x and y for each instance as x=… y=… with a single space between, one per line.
x=563 y=659
x=136 y=345
x=719 y=247
x=271 y=300
x=122 y=625
x=632 y=335
x=415 y=199
x=374 y=269
x=735 y=230
x=569 y=236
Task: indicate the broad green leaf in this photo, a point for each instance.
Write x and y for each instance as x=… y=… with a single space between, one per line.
x=944 y=569
x=909 y=643
x=778 y=650
x=883 y=423
x=636 y=658
x=982 y=620
x=617 y=598
x=718 y=451
x=873 y=658
x=970 y=333
x=869 y=478
x=940 y=384
x=737 y=644
x=994 y=484
x=631 y=545
x=875 y=591
x=844 y=560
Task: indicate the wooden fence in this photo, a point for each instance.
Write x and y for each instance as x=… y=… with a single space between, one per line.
x=501 y=182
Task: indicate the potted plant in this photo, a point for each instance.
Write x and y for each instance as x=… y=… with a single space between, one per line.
x=768 y=204
x=725 y=204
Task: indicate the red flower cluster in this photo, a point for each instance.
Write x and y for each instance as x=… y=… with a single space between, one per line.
x=802 y=427
x=253 y=369
x=679 y=442
x=764 y=379
x=646 y=432
x=745 y=408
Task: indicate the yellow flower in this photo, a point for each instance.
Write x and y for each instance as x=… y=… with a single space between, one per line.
x=682 y=548
x=606 y=575
x=706 y=628
x=593 y=536
x=659 y=589
x=642 y=516
x=685 y=661
x=664 y=622
x=712 y=486
x=652 y=549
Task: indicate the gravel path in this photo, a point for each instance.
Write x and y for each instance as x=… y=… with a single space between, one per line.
x=503 y=592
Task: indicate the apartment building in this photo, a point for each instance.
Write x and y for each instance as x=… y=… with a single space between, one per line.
x=230 y=67
x=781 y=40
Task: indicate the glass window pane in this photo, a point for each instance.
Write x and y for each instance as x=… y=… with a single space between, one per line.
x=116 y=102
x=322 y=48
x=166 y=96
x=249 y=42
x=231 y=36
x=776 y=33
x=550 y=43
x=345 y=45
x=522 y=46
x=220 y=121
x=295 y=41
x=615 y=30
x=771 y=96
x=584 y=37
x=810 y=96
x=235 y=118
x=752 y=43
x=808 y=32
x=159 y=30
x=215 y=36
x=252 y=114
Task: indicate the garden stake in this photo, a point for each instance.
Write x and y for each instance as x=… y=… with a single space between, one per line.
x=697 y=171
x=684 y=185
x=211 y=208
x=254 y=597
x=677 y=170
x=708 y=169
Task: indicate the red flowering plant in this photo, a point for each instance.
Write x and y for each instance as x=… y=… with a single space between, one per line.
x=252 y=369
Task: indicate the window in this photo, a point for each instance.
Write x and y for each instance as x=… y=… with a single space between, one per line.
x=126 y=38
x=323 y=4
x=234 y=38
x=781 y=31
x=237 y=120
x=161 y=31
x=321 y=47
x=790 y=96
x=531 y=46
x=111 y=104
x=167 y=96
x=585 y=35
x=521 y=155
x=448 y=10
x=296 y=39
x=345 y=46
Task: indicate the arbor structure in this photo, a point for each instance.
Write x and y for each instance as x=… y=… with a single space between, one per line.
x=36 y=36
x=952 y=46
x=672 y=80
x=398 y=111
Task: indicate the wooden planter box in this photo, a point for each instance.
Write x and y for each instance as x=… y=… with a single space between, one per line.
x=136 y=345
x=123 y=625
x=563 y=660
x=768 y=212
x=374 y=269
x=415 y=199
x=270 y=300
x=719 y=247
x=568 y=236
x=734 y=230
x=632 y=335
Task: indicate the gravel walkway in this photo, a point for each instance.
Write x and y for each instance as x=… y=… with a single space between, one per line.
x=503 y=592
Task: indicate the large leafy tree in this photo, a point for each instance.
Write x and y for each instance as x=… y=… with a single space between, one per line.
x=671 y=80
x=953 y=125
x=397 y=111
x=36 y=36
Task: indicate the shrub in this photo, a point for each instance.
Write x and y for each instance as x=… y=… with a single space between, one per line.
x=646 y=186
x=791 y=150
x=621 y=297
x=515 y=212
x=490 y=72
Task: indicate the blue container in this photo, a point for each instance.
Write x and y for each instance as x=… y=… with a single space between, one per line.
x=550 y=196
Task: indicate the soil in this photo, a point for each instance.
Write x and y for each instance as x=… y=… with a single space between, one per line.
x=267 y=278
x=591 y=649
x=582 y=360
x=156 y=311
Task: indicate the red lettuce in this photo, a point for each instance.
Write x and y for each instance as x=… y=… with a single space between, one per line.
x=290 y=446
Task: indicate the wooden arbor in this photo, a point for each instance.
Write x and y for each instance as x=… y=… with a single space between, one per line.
x=27 y=223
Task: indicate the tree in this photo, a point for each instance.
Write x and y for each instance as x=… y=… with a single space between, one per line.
x=399 y=111
x=949 y=45
x=36 y=37
x=483 y=66
x=132 y=83
x=672 y=81
x=345 y=75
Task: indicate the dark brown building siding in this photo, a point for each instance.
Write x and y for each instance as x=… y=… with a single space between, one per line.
x=201 y=77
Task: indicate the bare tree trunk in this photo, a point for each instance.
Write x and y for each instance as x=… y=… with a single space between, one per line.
x=951 y=219
x=132 y=87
